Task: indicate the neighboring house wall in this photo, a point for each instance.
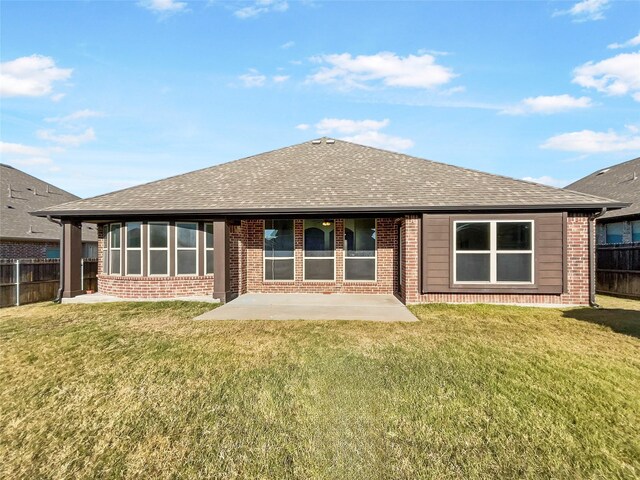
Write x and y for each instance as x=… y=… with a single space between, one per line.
x=28 y=249
x=612 y=232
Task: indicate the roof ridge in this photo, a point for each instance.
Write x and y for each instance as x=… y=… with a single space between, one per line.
x=617 y=165
x=59 y=190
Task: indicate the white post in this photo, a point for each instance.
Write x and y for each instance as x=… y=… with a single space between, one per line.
x=82 y=274
x=18 y=282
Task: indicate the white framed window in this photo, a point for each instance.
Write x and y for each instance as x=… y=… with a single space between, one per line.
x=493 y=252
x=158 y=241
x=115 y=248
x=319 y=250
x=279 y=257
x=208 y=248
x=133 y=255
x=186 y=248
x=105 y=248
x=360 y=246
x=614 y=232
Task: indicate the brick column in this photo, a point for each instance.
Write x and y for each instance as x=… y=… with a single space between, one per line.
x=410 y=259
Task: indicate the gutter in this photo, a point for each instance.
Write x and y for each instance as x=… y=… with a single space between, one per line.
x=592 y=258
x=61 y=287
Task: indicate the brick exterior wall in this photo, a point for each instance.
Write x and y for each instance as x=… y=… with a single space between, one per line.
x=17 y=249
x=577 y=263
x=386 y=260
x=246 y=265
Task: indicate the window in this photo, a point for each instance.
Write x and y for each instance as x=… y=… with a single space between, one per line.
x=279 y=259
x=114 y=248
x=208 y=243
x=158 y=248
x=360 y=249
x=105 y=248
x=52 y=252
x=635 y=231
x=134 y=248
x=614 y=232
x=186 y=248
x=493 y=252
x=319 y=250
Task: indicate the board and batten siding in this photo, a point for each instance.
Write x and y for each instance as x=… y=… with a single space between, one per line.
x=549 y=254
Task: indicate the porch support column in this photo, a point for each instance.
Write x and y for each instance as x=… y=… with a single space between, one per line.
x=221 y=278
x=72 y=259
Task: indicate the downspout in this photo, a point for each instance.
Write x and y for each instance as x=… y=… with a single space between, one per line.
x=61 y=287
x=592 y=258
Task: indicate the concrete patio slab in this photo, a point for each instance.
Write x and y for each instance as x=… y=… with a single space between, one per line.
x=309 y=306
x=101 y=298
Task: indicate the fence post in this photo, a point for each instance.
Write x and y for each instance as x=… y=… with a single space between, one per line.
x=18 y=282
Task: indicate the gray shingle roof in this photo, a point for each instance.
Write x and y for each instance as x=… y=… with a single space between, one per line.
x=20 y=194
x=621 y=182
x=328 y=175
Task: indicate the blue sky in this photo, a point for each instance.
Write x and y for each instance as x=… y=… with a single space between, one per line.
x=98 y=96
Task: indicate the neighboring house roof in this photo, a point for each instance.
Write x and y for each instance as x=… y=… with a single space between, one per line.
x=20 y=194
x=621 y=182
x=327 y=175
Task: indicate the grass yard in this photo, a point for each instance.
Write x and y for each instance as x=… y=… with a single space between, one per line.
x=141 y=391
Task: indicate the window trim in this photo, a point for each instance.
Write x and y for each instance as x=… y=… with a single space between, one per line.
x=126 y=250
x=207 y=249
x=190 y=249
x=105 y=248
x=304 y=254
x=493 y=252
x=111 y=225
x=344 y=255
x=264 y=256
x=150 y=249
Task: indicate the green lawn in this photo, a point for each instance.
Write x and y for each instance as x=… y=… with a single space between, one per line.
x=142 y=391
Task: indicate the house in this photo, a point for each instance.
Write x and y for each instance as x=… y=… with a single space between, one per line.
x=25 y=236
x=621 y=182
x=329 y=216
x=617 y=231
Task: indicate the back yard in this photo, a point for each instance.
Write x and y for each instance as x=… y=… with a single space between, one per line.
x=140 y=390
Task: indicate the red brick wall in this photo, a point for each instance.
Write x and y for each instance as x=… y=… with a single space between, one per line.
x=155 y=287
x=17 y=249
x=386 y=256
x=577 y=288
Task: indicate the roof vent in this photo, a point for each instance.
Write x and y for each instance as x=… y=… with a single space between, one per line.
x=603 y=171
x=316 y=142
x=330 y=141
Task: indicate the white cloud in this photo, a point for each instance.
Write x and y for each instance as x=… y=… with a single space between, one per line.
x=252 y=79
x=547 y=104
x=345 y=126
x=32 y=161
x=77 y=115
x=586 y=10
x=546 y=180
x=412 y=71
x=7 y=148
x=163 y=7
x=258 y=7
x=619 y=75
x=366 y=132
x=632 y=42
x=588 y=141
x=281 y=78
x=68 y=140
x=31 y=76
x=303 y=126
x=56 y=97
x=288 y=45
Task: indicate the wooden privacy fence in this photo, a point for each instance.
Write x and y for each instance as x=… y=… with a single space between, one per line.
x=618 y=269
x=38 y=279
